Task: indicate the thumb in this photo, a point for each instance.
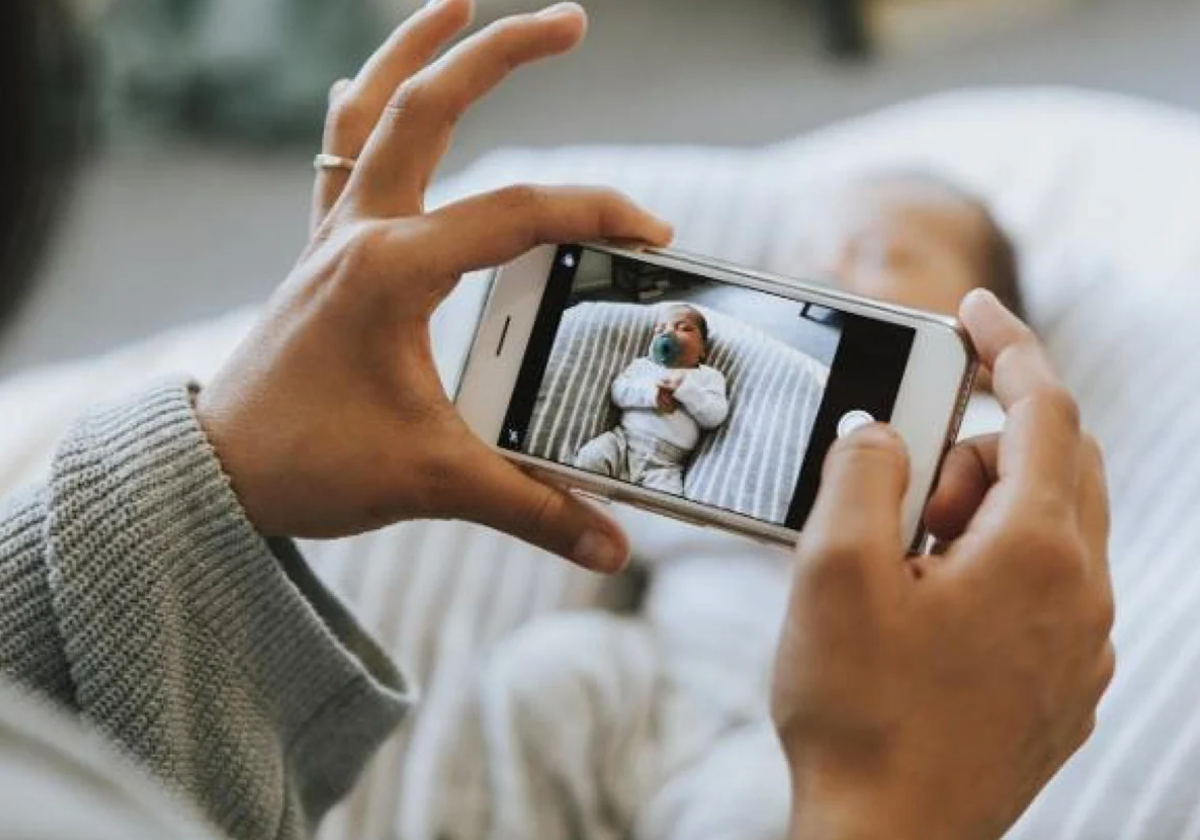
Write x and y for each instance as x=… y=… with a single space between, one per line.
x=488 y=230
x=504 y=497
x=967 y=474
x=857 y=515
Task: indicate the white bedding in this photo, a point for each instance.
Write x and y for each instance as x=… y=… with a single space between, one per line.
x=1103 y=195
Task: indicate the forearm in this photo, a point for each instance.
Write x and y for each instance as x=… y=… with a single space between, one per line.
x=631 y=390
x=863 y=797
x=706 y=403
x=220 y=664
x=31 y=646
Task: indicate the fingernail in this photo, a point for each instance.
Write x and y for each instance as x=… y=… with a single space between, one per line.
x=338 y=88
x=558 y=9
x=597 y=551
x=986 y=297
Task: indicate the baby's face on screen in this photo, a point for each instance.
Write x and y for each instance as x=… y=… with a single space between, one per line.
x=686 y=326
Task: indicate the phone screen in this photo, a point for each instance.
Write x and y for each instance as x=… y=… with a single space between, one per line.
x=675 y=382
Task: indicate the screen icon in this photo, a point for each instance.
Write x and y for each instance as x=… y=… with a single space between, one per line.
x=514 y=437
x=568 y=260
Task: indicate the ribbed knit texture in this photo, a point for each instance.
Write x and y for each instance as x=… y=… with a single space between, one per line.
x=134 y=591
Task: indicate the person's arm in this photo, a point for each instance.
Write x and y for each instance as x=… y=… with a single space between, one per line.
x=636 y=387
x=135 y=593
x=147 y=587
x=934 y=696
x=702 y=392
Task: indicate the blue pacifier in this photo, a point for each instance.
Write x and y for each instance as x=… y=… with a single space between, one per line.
x=665 y=349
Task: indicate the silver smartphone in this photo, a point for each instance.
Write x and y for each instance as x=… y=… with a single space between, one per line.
x=701 y=390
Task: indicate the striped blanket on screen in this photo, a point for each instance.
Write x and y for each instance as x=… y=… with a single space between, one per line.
x=749 y=464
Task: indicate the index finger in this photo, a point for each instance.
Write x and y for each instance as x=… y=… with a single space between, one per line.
x=492 y=229
x=360 y=102
x=405 y=149
x=410 y=47
x=1041 y=436
x=356 y=105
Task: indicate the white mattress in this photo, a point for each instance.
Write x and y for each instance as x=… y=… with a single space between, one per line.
x=1103 y=196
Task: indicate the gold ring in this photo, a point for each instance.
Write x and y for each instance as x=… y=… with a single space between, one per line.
x=324 y=161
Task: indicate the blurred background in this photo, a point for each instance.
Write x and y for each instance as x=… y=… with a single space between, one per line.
x=208 y=112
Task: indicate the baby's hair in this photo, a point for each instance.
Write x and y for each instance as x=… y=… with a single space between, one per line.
x=701 y=321
x=1000 y=264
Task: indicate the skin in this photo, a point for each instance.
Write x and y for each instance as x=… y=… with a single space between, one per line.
x=934 y=697
x=924 y=698
x=330 y=418
x=901 y=239
x=905 y=240
x=683 y=323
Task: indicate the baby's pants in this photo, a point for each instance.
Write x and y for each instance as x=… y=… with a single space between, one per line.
x=591 y=734
x=645 y=461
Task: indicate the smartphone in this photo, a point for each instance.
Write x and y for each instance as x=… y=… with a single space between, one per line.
x=701 y=390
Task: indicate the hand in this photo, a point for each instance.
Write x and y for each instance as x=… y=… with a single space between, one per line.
x=667 y=404
x=671 y=381
x=934 y=698
x=331 y=419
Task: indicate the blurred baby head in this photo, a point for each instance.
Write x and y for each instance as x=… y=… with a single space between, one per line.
x=911 y=239
x=680 y=336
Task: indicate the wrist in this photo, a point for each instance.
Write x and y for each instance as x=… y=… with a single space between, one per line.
x=847 y=819
x=825 y=809
x=837 y=803
x=881 y=806
x=221 y=435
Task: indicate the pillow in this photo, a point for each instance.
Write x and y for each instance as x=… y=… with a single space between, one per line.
x=1129 y=354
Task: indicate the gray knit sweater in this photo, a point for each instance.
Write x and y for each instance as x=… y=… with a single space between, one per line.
x=135 y=593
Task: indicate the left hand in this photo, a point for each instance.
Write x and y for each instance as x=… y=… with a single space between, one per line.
x=666 y=403
x=330 y=419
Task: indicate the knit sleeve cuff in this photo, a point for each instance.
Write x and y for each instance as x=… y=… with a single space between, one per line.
x=170 y=602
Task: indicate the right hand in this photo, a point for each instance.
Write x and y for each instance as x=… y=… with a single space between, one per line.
x=933 y=697
x=665 y=399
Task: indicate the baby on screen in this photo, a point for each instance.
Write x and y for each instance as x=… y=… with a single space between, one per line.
x=668 y=399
